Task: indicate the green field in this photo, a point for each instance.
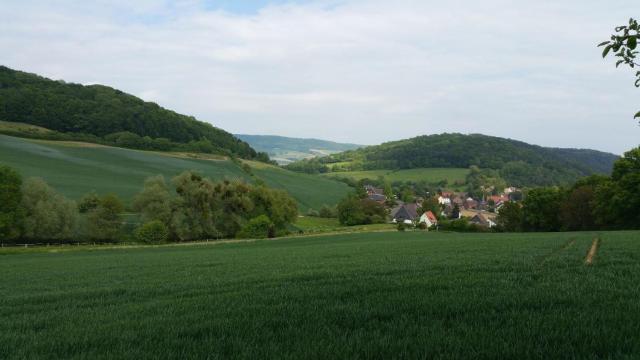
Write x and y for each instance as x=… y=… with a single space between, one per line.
x=77 y=168
x=429 y=175
x=311 y=225
x=379 y=295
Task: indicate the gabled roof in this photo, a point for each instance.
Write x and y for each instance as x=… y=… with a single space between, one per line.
x=406 y=212
x=431 y=217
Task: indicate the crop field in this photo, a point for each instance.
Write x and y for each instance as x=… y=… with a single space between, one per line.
x=311 y=225
x=77 y=168
x=429 y=175
x=375 y=295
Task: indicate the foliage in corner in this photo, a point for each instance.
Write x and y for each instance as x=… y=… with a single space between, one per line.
x=623 y=45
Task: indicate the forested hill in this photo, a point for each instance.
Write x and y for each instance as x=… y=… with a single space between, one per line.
x=107 y=113
x=519 y=163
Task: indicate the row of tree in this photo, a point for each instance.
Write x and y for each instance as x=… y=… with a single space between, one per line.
x=33 y=211
x=193 y=208
x=593 y=203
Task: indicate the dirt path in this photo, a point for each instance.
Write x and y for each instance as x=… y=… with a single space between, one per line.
x=592 y=252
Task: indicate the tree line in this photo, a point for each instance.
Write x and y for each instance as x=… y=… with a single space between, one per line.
x=192 y=208
x=102 y=113
x=593 y=203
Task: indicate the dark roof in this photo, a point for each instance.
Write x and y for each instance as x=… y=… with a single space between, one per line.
x=377 y=197
x=406 y=212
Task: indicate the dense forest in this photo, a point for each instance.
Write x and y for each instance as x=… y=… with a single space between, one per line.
x=109 y=114
x=518 y=163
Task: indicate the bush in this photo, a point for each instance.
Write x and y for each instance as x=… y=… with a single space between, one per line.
x=258 y=228
x=328 y=212
x=48 y=215
x=402 y=226
x=312 y=213
x=153 y=232
x=105 y=221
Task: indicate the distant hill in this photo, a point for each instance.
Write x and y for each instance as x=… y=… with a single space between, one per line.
x=108 y=113
x=519 y=163
x=285 y=150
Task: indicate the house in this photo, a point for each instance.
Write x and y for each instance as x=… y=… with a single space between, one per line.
x=379 y=198
x=406 y=213
x=428 y=219
x=371 y=190
x=442 y=200
x=482 y=220
x=469 y=203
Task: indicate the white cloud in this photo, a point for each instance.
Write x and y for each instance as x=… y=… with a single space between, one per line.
x=357 y=71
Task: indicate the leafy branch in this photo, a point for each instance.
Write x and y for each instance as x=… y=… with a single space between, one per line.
x=623 y=44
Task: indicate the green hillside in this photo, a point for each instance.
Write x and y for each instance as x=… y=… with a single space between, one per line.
x=107 y=113
x=77 y=168
x=433 y=175
x=285 y=150
x=392 y=295
x=519 y=163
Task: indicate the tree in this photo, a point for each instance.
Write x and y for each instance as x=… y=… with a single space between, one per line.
x=455 y=213
x=153 y=232
x=510 y=217
x=624 y=43
x=430 y=204
x=196 y=208
x=541 y=210
x=88 y=202
x=617 y=201
x=355 y=211
x=48 y=215
x=577 y=210
x=154 y=201
x=10 y=196
x=105 y=221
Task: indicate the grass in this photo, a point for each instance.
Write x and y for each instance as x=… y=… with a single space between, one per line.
x=431 y=175
x=377 y=295
x=316 y=225
x=76 y=168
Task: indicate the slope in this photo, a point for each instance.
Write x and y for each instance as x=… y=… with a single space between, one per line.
x=75 y=168
x=100 y=111
x=519 y=163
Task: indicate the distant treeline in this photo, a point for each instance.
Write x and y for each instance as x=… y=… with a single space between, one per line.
x=109 y=115
x=518 y=163
x=193 y=208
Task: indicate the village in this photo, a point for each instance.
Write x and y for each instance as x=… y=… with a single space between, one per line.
x=450 y=205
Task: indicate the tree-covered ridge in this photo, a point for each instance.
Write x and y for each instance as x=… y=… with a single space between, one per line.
x=519 y=163
x=101 y=111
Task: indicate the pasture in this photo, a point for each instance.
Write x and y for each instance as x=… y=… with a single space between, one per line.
x=430 y=175
x=367 y=295
x=77 y=168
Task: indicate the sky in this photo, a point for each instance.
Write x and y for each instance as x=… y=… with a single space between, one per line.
x=352 y=70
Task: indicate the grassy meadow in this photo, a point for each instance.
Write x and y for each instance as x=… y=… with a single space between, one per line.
x=430 y=175
x=375 y=295
x=77 y=168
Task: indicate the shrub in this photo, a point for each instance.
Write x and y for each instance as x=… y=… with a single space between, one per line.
x=258 y=228
x=402 y=226
x=153 y=232
x=328 y=212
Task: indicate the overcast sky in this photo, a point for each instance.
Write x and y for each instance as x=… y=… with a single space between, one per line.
x=350 y=71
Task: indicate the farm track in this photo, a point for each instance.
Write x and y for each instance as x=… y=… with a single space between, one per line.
x=592 y=251
x=556 y=251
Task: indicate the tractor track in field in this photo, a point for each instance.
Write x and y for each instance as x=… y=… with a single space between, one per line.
x=566 y=246
x=592 y=251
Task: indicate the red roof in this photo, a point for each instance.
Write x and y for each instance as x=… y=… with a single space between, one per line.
x=431 y=217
